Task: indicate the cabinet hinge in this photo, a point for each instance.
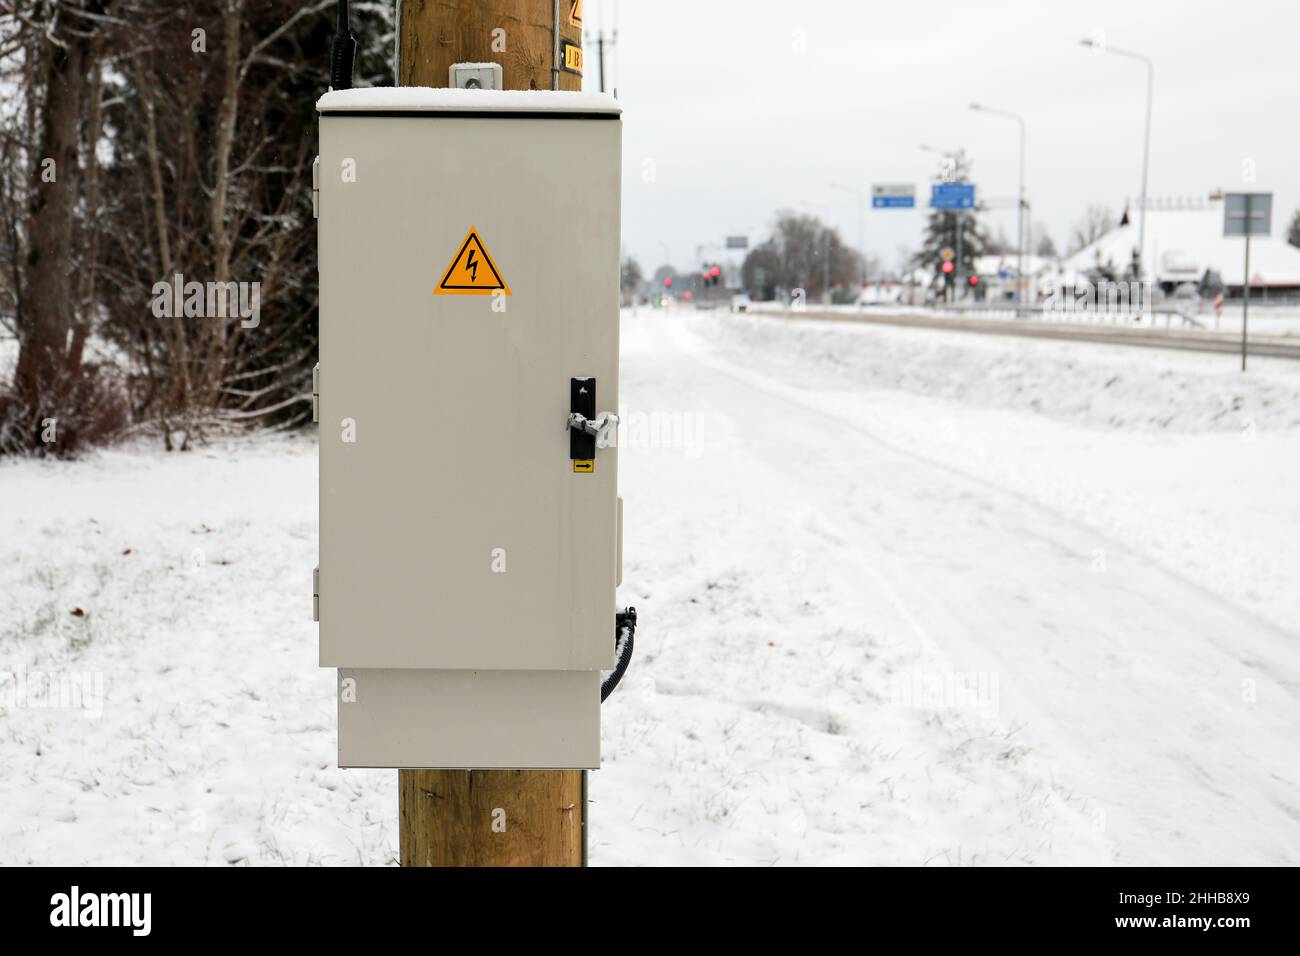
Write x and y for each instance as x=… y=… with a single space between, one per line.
x=315 y=188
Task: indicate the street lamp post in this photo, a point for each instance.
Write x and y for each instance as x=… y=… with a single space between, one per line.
x=1020 y=202
x=862 y=232
x=1146 y=146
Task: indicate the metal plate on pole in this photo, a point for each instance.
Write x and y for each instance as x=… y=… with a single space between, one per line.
x=893 y=196
x=952 y=196
x=1247 y=214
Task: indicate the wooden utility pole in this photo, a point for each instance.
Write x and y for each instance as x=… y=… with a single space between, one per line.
x=491 y=817
x=518 y=34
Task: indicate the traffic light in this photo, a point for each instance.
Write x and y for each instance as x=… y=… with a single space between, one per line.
x=668 y=282
x=947 y=267
x=974 y=280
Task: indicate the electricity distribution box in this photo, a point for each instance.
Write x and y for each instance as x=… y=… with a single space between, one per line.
x=470 y=534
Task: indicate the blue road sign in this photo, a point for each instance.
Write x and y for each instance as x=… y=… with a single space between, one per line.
x=952 y=196
x=893 y=196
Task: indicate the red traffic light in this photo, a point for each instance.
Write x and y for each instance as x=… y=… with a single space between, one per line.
x=715 y=272
x=974 y=280
x=668 y=281
x=947 y=267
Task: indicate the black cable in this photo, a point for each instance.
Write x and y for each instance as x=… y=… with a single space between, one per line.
x=624 y=635
x=343 y=52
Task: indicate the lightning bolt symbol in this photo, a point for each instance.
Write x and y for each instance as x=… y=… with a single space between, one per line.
x=472 y=266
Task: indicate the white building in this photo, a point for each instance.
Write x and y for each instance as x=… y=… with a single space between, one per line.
x=1184 y=239
x=997 y=274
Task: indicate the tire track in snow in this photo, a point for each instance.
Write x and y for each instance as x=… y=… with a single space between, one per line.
x=1167 y=805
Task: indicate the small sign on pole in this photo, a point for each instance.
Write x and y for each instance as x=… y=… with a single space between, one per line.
x=1247 y=214
x=737 y=242
x=571 y=57
x=893 y=196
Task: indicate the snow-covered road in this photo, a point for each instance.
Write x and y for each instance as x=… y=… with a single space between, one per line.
x=906 y=597
x=1165 y=712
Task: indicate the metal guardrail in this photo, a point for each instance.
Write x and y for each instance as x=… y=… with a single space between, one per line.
x=1032 y=325
x=1148 y=318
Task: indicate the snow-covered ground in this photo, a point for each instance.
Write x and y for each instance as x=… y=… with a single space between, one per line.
x=906 y=597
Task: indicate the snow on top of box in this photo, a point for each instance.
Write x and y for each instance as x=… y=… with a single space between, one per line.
x=425 y=99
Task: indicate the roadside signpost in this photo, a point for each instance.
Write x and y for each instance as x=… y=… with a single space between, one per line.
x=952 y=196
x=1247 y=214
x=893 y=196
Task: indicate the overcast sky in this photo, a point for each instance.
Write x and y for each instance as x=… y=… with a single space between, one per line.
x=747 y=106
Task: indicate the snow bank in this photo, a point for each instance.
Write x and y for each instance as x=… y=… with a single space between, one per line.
x=1112 y=387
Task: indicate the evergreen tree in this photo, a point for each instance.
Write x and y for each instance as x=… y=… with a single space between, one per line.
x=959 y=230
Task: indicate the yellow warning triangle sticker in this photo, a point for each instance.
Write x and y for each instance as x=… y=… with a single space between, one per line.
x=472 y=271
